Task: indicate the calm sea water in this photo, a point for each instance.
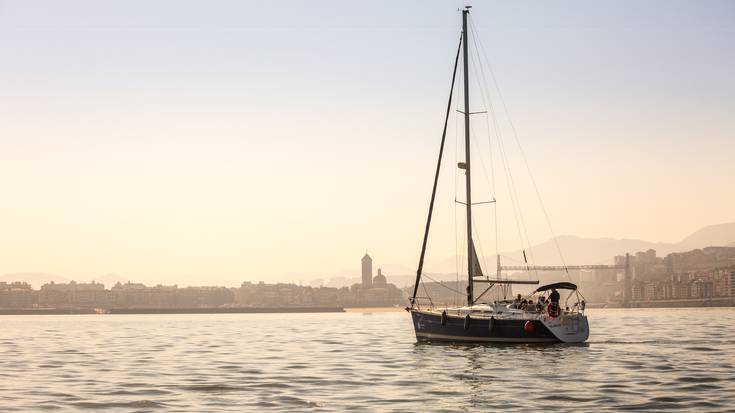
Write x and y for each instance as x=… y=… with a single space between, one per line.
x=653 y=360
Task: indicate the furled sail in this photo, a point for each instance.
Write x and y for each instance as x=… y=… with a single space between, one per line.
x=476 y=269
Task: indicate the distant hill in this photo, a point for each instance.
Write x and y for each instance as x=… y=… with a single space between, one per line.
x=579 y=250
x=710 y=236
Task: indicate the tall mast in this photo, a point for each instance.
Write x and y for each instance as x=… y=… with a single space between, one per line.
x=468 y=181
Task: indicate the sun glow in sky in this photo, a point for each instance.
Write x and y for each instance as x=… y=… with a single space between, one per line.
x=255 y=140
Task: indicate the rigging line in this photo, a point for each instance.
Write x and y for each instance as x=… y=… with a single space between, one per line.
x=482 y=163
x=491 y=181
x=492 y=188
x=456 y=251
x=523 y=227
x=456 y=242
x=436 y=175
x=487 y=101
x=520 y=221
x=502 y=146
x=441 y=283
x=509 y=258
x=520 y=148
x=495 y=218
x=475 y=145
x=517 y=204
x=485 y=292
x=423 y=285
x=510 y=184
x=493 y=185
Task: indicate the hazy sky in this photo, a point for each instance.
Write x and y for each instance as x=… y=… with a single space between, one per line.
x=267 y=140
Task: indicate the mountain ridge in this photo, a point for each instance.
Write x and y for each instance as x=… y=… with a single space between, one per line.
x=580 y=250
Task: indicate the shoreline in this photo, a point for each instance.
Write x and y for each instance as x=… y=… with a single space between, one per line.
x=114 y=311
x=305 y=310
x=374 y=309
x=680 y=303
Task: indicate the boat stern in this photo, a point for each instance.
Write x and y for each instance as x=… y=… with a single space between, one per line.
x=569 y=328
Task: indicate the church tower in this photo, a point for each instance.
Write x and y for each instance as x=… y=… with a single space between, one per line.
x=367 y=272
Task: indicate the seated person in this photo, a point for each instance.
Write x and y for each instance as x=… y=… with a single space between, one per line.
x=517 y=302
x=540 y=304
x=553 y=309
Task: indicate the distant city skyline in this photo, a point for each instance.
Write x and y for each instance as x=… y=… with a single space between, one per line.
x=277 y=141
x=585 y=250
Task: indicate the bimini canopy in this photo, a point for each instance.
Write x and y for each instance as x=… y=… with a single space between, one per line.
x=559 y=286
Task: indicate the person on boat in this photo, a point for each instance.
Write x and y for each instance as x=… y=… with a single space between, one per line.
x=540 y=304
x=530 y=306
x=517 y=302
x=553 y=308
x=554 y=296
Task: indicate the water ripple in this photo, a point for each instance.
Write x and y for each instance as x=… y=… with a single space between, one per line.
x=635 y=361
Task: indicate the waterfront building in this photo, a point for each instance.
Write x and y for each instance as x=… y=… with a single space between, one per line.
x=74 y=295
x=367 y=271
x=130 y=295
x=724 y=282
x=291 y=295
x=136 y=295
x=702 y=288
x=704 y=274
x=17 y=295
x=380 y=281
x=284 y=295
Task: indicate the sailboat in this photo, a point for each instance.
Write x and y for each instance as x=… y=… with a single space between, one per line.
x=549 y=320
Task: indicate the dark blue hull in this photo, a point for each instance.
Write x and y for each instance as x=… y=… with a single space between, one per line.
x=429 y=327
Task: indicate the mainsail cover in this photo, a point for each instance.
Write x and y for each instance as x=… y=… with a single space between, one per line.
x=476 y=269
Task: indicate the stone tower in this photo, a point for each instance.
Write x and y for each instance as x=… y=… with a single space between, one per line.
x=367 y=272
